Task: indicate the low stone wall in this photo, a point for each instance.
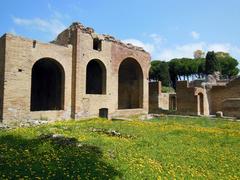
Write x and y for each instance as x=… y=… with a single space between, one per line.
x=231 y=107
x=164 y=101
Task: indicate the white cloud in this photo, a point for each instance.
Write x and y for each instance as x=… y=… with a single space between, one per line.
x=187 y=50
x=219 y=47
x=147 y=46
x=157 y=39
x=159 y=48
x=179 y=51
x=53 y=26
x=195 y=35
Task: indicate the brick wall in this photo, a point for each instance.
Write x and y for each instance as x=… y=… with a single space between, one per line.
x=119 y=54
x=186 y=99
x=219 y=94
x=21 y=55
x=2 y=69
x=154 y=92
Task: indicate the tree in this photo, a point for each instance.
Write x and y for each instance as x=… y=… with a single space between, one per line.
x=184 y=68
x=159 y=72
x=173 y=72
x=198 y=54
x=200 y=67
x=222 y=54
x=228 y=64
x=212 y=64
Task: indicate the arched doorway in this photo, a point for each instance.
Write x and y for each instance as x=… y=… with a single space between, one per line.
x=130 y=85
x=200 y=104
x=96 y=77
x=47 y=91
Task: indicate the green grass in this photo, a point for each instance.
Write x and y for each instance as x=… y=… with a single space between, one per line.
x=162 y=148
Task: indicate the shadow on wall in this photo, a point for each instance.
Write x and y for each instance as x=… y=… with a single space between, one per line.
x=55 y=159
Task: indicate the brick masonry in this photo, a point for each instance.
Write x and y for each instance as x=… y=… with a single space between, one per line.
x=73 y=49
x=223 y=97
x=2 y=69
x=158 y=101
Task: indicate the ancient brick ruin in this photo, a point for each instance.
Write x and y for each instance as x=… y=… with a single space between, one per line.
x=206 y=97
x=209 y=97
x=80 y=74
x=85 y=74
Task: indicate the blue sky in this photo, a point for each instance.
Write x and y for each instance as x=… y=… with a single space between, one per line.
x=167 y=29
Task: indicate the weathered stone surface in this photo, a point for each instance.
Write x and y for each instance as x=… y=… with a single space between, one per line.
x=4 y=126
x=218 y=96
x=2 y=70
x=161 y=102
x=111 y=132
x=66 y=37
x=73 y=50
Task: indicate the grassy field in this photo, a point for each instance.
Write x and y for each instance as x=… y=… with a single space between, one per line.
x=168 y=147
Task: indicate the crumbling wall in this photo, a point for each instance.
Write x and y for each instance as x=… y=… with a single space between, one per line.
x=124 y=52
x=158 y=101
x=87 y=104
x=154 y=92
x=2 y=70
x=219 y=94
x=21 y=54
x=231 y=107
x=111 y=54
x=186 y=99
x=73 y=49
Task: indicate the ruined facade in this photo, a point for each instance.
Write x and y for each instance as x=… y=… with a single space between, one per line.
x=160 y=102
x=77 y=75
x=208 y=98
x=198 y=98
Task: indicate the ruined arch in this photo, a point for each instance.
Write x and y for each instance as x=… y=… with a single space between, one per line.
x=130 y=85
x=95 y=77
x=47 y=86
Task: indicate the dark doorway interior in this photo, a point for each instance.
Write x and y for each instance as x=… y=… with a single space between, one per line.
x=130 y=85
x=47 y=91
x=96 y=78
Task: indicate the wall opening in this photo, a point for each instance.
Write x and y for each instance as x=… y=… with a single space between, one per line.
x=130 y=85
x=47 y=91
x=103 y=113
x=97 y=44
x=96 y=77
x=200 y=104
x=173 y=103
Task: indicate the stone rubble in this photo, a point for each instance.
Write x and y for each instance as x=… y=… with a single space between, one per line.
x=4 y=126
x=110 y=132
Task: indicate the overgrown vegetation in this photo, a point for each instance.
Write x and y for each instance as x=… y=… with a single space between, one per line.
x=169 y=147
x=167 y=89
